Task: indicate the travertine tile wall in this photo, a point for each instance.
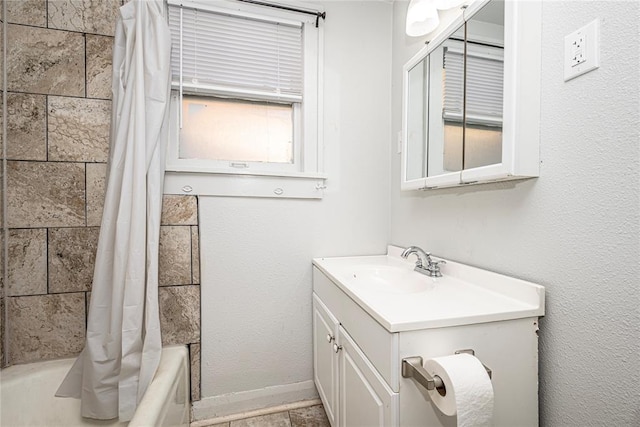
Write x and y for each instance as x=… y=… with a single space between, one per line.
x=58 y=67
x=2 y=159
x=179 y=279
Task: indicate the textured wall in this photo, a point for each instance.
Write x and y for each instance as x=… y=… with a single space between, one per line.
x=58 y=67
x=256 y=253
x=575 y=230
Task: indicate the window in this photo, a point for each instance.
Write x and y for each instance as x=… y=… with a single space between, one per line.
x=236 y=131
x=245 y=95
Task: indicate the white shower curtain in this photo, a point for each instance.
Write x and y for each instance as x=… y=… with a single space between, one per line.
x=123 y=343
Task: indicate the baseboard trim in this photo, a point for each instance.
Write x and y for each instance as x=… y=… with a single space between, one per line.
x=253 y=403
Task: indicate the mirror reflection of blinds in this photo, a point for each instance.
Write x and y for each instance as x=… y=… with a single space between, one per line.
x=243 y=57
x=485 y=71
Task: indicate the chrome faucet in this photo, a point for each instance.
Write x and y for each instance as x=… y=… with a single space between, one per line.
x=431 y=269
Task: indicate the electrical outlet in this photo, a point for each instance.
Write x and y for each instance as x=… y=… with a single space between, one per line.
x=577 y=50
x=582 y=51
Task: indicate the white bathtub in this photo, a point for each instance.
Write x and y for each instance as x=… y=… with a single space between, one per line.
x=27 y=395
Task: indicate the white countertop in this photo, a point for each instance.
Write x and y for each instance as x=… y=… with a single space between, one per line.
x=464 y=295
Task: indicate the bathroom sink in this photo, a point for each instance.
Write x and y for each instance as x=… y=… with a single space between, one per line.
x=401 y=299
x=390 y=279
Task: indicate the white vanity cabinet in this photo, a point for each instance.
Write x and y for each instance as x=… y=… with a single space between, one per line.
x=362 y=331
x=325 y=358
x=351 y=389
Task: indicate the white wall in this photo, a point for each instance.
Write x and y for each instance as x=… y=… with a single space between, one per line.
x=256 y=253
x=575 y=230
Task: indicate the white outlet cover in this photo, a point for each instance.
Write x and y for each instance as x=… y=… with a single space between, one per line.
x=582 y=50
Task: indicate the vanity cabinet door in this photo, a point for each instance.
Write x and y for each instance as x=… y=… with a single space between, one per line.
x=365 y=399
x=325 y=359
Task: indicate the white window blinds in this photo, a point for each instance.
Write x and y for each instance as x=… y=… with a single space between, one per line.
x=485 y=73
x=453 y=83
x=222 y=54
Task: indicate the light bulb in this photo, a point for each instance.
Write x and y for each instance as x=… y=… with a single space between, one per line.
x=422 y=18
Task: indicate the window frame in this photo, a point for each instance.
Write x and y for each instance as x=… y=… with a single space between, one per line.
x=308 y=167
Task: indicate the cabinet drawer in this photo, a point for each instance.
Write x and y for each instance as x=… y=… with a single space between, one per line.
x=380 y=346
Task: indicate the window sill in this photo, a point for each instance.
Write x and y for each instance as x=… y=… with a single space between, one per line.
x=245 y=184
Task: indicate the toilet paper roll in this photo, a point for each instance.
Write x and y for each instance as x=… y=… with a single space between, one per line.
x=469 y=393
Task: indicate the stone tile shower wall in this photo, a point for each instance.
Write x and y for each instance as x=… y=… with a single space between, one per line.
x=59 y=55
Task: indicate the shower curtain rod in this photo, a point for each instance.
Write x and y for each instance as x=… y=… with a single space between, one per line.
x=318 y=15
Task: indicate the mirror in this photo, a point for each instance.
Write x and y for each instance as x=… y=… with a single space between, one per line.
x=426 y=153
x=482 y=131
x=454 y=99
x=446 y=139
x=417 y=109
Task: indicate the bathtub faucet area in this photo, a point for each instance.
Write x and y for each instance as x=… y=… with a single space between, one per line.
x=431 y=269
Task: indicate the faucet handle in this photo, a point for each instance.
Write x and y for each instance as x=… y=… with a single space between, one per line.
x=434 y=267
x=436 y=264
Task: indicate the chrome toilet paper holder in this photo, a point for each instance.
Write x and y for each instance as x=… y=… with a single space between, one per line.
x=412 y=368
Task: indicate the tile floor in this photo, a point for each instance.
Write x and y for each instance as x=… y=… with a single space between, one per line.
x=311 y=416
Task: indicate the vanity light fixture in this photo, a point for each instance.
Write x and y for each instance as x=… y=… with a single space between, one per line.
x=422 y=15
x=447 y=4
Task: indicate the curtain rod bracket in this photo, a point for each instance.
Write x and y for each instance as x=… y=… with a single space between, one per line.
x=319 y=15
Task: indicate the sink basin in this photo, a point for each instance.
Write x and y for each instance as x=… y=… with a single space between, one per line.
x=400 y=299
x=390 y=279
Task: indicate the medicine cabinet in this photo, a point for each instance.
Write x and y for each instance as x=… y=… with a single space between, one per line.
x=471 y=99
